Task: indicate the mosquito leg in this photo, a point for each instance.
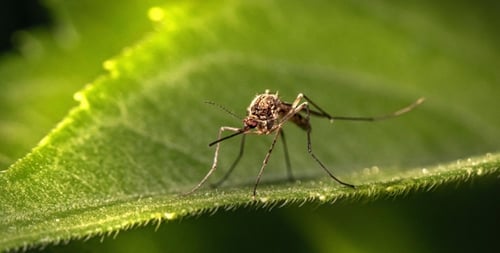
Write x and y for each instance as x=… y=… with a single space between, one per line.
x=287 y=157
x=216 y=155
x=309 y=148
x=264 y=163
x=323 y=113
x=236 y=161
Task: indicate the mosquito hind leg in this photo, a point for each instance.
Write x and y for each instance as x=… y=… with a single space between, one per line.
x=309 y=145
x=321 y=112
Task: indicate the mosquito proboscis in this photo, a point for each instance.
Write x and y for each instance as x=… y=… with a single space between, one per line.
x=267 y=114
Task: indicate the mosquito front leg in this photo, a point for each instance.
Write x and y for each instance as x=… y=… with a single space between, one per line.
x=236 y=161
x=287 y=157
x=264 y=163
x=216 y=155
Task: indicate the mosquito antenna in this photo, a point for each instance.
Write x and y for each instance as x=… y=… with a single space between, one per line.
x=223 y=108
x=241 y=131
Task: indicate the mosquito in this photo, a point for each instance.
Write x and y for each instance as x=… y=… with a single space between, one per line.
x=267 y=114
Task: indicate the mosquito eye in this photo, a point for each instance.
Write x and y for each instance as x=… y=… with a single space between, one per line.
x=251 y=123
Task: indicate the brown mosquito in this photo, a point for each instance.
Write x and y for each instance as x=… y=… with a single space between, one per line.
x=266 y=114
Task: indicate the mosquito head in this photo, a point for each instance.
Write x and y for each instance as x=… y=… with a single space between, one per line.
x=263 y=112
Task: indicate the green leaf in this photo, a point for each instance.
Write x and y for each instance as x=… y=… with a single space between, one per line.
x=139 y=136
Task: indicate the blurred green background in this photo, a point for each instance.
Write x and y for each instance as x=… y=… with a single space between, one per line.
x=51 y=61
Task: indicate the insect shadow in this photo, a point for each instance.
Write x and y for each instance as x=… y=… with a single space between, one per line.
x=267 y=114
